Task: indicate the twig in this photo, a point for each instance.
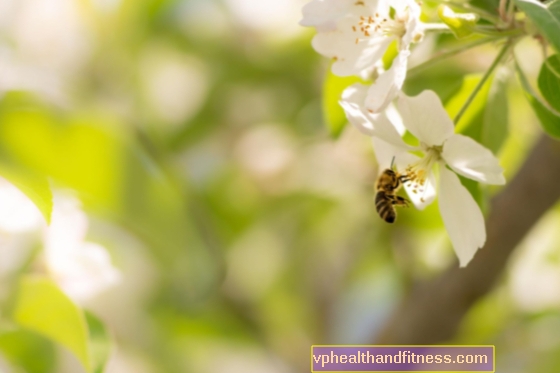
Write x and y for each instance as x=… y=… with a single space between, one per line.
x=480 y=84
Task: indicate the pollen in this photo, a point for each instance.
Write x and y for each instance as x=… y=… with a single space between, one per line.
x=384 y=26
x=418 y=37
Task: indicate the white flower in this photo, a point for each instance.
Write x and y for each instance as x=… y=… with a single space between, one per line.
x=17 y=213
x=19 y=220
x=82 y=269
x=426 y=119
x=356 y=35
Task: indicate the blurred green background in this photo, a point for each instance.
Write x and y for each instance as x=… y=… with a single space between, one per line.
x=192 y=131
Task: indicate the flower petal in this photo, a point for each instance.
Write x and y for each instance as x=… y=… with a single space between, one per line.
x=352 y=54
x=369 y=124
x=461 y=216
x=395 y=118
x=68 y=226
x=470 y=159
x=17 y=214
x=84 y=272
x=385 y=153
x=425 y=117
x=414 y=28
x=388 y=85
x=323 y=14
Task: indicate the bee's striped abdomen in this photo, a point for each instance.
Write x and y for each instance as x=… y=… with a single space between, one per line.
x=385 y=207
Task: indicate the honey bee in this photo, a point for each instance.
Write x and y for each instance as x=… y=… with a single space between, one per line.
x=388 y=184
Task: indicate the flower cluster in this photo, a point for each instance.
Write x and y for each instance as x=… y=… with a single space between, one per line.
x=81 y=269
x=356 y=35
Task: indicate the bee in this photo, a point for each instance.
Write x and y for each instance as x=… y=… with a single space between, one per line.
x=388 y=184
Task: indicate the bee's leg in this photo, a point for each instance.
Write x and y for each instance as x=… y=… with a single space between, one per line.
x=400 y=201
x=392 y=198
x=404 y=179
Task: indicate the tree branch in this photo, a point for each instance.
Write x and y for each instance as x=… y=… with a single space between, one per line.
x=433 y=310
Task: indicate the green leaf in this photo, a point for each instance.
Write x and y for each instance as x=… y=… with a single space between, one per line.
x=99 y=342
x=495 y=119
x=33 y=185
x=554 y=7
x=29 y=351
x=548 y=117
x=43 y=308
x=334 y=116
x=546 y=18
x=490 y=6
x=82 y=156
x=550 y=120
x=470 y=123
x=549 y=81
x=461 y=24
x=444 y=79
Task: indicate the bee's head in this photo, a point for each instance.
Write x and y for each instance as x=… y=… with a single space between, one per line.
x=390 y=172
